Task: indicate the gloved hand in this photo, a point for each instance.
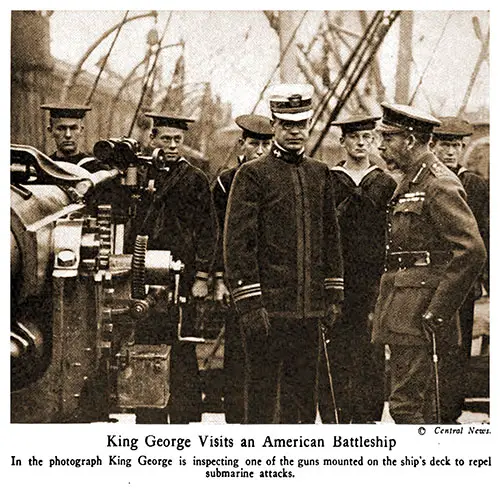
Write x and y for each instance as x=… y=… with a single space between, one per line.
x=199 y=290
x=431 y=324
x=255 y=323
x=221 y=293
x=332 y=314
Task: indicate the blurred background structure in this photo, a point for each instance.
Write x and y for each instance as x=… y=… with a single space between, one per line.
x=216 y=65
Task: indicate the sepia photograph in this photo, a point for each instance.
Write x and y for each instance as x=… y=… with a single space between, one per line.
x=250 y=217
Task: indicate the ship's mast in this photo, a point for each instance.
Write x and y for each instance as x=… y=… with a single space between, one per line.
x=405 y=56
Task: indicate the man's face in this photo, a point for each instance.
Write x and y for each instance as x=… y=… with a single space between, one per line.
x=357 y=144
x=252 y=148
x=169 y=139
x=394 y=150
x=291 y=135
x=66 y=132
x=448 y=152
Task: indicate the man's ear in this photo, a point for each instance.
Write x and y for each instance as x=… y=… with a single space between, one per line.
x=432 y=144
x=241 y=141
x=410 y=141
x=342 y=140
x=49 y=129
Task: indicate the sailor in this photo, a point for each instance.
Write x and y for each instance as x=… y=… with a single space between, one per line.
x=362 y=192
x=434 y=255
x=448 y=144
x=283 y=264
x=254 y=142
x=181 y=218
x=66 y=128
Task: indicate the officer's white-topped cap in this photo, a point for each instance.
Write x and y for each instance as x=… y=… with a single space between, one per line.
x=291 y=101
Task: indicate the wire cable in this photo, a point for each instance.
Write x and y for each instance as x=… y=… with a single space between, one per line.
x=150 y=75
x=431 y=57
x=103 y=64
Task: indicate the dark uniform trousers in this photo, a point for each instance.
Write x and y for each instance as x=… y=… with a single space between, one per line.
x=357 y=367
x=280 y=375
x=234 y=369
x=435 y=254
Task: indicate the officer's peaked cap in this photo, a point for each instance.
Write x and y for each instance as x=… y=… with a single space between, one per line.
x=291 y=101
x=398 y=118
x=255 y=126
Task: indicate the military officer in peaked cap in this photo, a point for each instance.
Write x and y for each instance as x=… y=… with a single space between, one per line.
x=448 y=143
x=254 y=142
x=283 y=264
x=434 y=255
x=181 y=218
x=66 y=128
x=362 y=191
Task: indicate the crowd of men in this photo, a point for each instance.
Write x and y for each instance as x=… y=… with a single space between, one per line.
x=326 y=270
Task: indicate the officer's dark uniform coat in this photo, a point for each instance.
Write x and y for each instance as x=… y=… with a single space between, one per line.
x=282 y=247
x=220 y=193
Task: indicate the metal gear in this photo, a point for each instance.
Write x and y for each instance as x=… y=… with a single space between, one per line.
x=139 y=267
x=104 y=226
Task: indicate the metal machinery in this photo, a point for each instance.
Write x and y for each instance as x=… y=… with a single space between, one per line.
x=77 y=298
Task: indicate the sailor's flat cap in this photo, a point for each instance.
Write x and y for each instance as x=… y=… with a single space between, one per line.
x=453 y=128
x=66 y=111
x=397 y=118
x=355 y=123
x=291 y=101
x=167 y=120
x=255 y=126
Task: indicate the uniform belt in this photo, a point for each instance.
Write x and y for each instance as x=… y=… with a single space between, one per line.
x=399 y=260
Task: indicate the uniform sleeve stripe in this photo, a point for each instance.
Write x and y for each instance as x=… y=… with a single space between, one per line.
x=246 y=296
x=246 y=287
x=339 y=287
x=251 y=291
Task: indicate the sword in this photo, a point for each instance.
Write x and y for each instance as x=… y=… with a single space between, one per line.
x=436 y=376
x=329 y=372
